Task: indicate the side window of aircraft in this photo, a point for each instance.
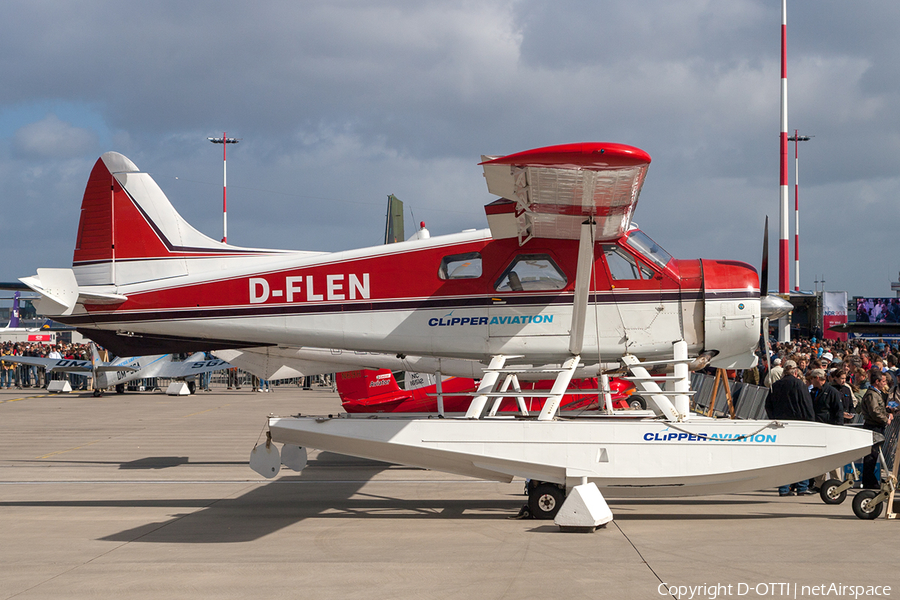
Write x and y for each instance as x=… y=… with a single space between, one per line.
x=529 y=272
x=461 y=266
x=623 y=266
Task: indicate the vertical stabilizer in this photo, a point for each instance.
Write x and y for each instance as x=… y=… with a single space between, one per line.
x=129 y=231
x=14 y=313
x=393 y=229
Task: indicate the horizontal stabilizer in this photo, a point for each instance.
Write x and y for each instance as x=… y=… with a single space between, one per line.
x=60 y=292
x=58 y=289
x=90 y=297
x=192 y=367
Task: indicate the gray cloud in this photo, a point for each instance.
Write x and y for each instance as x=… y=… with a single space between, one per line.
x=342 y=103
x=52 y=138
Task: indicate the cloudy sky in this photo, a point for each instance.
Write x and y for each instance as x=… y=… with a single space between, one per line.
x=339 y=104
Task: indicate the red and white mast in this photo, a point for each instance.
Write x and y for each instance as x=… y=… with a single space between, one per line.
x=784 y=275
x=224 y=140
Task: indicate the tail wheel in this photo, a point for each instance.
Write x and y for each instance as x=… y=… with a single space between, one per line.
x=864 y=508
x=637 y=403
x=829 y=494
x=545 y=500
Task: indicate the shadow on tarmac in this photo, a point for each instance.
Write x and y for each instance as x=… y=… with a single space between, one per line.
x=315 y=493
x=329 y=488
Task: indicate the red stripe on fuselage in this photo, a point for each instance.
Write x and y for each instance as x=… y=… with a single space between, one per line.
x=410 y=275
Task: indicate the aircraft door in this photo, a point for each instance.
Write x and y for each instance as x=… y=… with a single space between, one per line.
x=523 y=305
x=646 y=302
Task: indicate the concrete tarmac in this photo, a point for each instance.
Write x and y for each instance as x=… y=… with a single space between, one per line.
x=143 y=495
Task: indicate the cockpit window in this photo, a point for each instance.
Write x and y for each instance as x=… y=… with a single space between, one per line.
x=529 y=272
x=461 y=266
x=649 y=249
x=623 y=266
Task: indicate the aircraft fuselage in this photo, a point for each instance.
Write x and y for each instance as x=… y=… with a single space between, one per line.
x=464 y=295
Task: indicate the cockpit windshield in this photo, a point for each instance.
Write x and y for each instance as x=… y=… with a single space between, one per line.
x=649 y=249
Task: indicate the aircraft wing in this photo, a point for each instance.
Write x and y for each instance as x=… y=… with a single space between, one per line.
x=549 y=192
x=278 y=363
x=52 y=364
x=186 y=368
x=281 y=362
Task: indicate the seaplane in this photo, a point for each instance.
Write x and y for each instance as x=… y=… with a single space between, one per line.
x=561 y=282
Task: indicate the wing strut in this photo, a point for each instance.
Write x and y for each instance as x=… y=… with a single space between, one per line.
x=579 y=314
x=582 y=286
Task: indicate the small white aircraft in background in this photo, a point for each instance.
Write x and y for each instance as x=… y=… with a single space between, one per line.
x=117 y=373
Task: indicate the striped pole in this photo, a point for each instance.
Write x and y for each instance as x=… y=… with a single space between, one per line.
x=784 y=275
x=796 y=214
x=224 y=140
x=797 y=138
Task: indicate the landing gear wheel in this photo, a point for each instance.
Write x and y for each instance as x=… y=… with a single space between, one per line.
x=864 y=508
x=120 y=388
x=828 y=494
x=97 y=393
x=545 y=500
x=637 y=403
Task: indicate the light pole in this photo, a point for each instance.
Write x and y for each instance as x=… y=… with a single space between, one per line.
x=796 y=139
x=224 y=141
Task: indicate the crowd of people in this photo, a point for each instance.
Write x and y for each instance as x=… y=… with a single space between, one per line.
x=20 y=375
x=832 y=382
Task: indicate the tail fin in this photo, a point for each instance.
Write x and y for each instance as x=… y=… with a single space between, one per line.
x=360 y=385
x=96 y=361
x=130 y=232
x=14 y=313
x=393 y=227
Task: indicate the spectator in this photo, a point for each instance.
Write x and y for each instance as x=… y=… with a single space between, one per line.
x=775 y=373
x=839 y=383
x=828 y=408
x=233 y=378
x=6 y=370
x=790 y=399
x=827 y=404
x=875 y=418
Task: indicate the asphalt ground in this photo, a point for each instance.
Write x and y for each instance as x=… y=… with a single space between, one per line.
x=143 y=495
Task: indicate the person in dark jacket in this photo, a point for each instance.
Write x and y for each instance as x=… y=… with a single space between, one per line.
x=828 y=408
x=839 y=382
x=790 y=400
x=790 y=397
x=875 y=418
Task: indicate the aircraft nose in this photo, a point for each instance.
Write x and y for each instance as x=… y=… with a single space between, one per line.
x=773 y=307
